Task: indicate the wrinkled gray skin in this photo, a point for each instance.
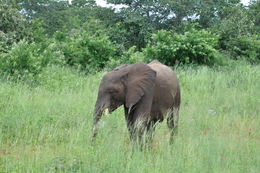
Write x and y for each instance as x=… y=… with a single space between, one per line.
x=150 y=93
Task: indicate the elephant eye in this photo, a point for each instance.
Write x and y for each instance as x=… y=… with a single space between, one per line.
x=112 y=91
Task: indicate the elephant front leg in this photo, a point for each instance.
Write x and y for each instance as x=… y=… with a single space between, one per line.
x=139 y=127
x=129 y=123
x=132 y=124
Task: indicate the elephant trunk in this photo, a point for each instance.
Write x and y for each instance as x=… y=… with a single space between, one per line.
x=100 y=109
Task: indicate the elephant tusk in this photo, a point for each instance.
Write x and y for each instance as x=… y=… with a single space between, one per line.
x=129 y=110
x=106 y=111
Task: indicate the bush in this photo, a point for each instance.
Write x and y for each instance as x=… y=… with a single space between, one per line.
x=28 y=59
x=129 y=57
x=88 y=52
x=235 y=23
x=13 y=27
x=191 y=47
x=236 y=31
x=246 y=48
x=21 y=60
x=81 y=50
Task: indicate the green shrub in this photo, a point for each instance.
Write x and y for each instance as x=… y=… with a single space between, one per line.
x=191 y=47
x=88 y=52
x=129 y=57
x=21 y=60
x=235 y=23
x=236 y=31
x=246 y=48
x=28 y=59
x=13 y=27
x=82 y=50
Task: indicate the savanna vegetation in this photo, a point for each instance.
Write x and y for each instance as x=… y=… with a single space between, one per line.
x=54 y=53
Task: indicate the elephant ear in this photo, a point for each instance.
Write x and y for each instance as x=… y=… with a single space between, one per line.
x=140 y=81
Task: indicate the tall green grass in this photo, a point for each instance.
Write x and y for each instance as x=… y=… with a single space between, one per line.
x=47 y=127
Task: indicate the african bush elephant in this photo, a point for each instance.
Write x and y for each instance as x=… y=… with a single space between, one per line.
x=149 y=93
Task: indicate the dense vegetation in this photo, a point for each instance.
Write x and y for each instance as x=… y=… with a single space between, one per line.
x=35 y=34
x=53 y=54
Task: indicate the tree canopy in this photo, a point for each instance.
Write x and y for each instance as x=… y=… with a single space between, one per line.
x=82 y=34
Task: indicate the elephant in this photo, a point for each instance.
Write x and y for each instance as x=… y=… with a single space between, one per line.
x=149 y=93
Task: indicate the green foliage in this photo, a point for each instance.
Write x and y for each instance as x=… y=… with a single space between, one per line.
x=22 y=59
x=88 y=52
x=235 y=23
x=37 y=33
x=80 y=49
x=210 y=13
x=191 y=47
x=132 y=55
x=83 y=3
x=141 y=18
x=91 y=38
x=53 y=14
x=254 y=14
x=132 y=32
x=247 y=48
x=236 y=31
x=27 y=59
x=13 y=27
x=157 y=13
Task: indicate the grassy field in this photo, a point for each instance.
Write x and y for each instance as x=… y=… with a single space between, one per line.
x=47 y=127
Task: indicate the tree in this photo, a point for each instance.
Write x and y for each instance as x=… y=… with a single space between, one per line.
x=52 y=13
x=235 y=23
x=141 y=18
x=157 y=13
x=254 y=9
x=13 y=26
x=62 y=16
x=83 y=3
x=211 y=12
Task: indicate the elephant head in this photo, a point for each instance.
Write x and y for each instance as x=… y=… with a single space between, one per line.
x=128 y=85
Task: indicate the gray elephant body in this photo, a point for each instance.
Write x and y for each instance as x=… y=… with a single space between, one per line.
x=167 y=92
x=149 y=92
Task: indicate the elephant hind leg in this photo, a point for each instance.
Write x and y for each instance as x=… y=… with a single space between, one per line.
x=172 y=122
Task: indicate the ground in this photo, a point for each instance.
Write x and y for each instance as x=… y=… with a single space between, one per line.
x=46 y=127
